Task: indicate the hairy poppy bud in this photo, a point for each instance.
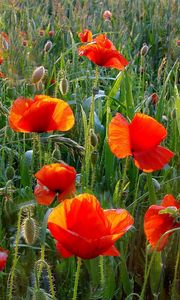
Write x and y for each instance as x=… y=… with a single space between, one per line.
x=107 y=15
x=93 y=138
x=38 y=74
x=94 y=157
x=56 y=155
x=144 y=49
x=9 y=173
x=64 y=86
x=48 y=46
x=29 y=230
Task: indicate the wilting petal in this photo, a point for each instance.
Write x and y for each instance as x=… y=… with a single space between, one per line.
x=120 y=220
x=152 y=160
x=145 y=133
x=85 y=36
x=43 y=195
x=169 y=200
x=155 y=225
x=119 y=137
x=3 y=258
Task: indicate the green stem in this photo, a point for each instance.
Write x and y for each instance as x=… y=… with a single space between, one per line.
x=152 y=194
x=175 y=272
x=11 y=276
x=101 y=264
x=123 y=181
x=77 y=278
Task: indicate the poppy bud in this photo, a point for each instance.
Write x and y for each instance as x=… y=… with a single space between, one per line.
x=107 y=15
x=9 y=173
x=48 y=46
x=93 y=138
x=178 y=43
x=29 y=230
x=94 y=157
x=51 y=33
x=64 y=86
x=56 y=155
x=144 y=49
x=154 y=98
x=38 y=74
x=24 y=43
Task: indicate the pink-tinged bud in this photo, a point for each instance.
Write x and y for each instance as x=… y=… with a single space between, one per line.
x=178 y=43
x=107 y=15
x=3 y=258
x=48 y=46
x=51 y=33
x=144 y=49
x=38 y=74
x=154 y=98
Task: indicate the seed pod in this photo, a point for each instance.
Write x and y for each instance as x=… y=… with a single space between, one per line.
x=56 y=154
x=29 y=230
x=144 y=49
x=94 y=157
x=9 y=173
x=64 y=86
x=48 y=46
x=38 y=74
x=93 y=138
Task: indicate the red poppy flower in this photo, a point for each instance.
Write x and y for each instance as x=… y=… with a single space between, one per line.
x=160 y=219
x=85 y=36
x=140 y=139
x=42 y=114
x=3 y=258
x=102 y=52
x=54 y=179
x=82 y=228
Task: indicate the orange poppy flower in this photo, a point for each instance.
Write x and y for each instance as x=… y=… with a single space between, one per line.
x=102 y=52
x=54 y=179
x=82 y=228
x=43 y=114
x=3 y=258
x=85 y=36
x=140 y=139
x=160 y=219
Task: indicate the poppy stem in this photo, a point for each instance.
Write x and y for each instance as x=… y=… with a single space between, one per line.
x=123 y=180
x=152 y=194
x=79 y=261
x=175 y=279
x=101 y=264
x=12 y=273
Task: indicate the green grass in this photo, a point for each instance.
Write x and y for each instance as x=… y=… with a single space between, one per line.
x=116 y=183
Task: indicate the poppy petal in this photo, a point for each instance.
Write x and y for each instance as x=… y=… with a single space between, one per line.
x=43 y=195
x=62 y=251
x=120 y=220
x=145 y=133
x=85 y=36
x=112 y=251
x=17 y=111
x=57 y=177
x=63 y=116
x=169 y=200
x=104 y=42
x=152 y=160
x=119 y=137
x=3 y=258
x=155 y=225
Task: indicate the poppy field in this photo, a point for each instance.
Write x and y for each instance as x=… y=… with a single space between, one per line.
x=89 y=150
